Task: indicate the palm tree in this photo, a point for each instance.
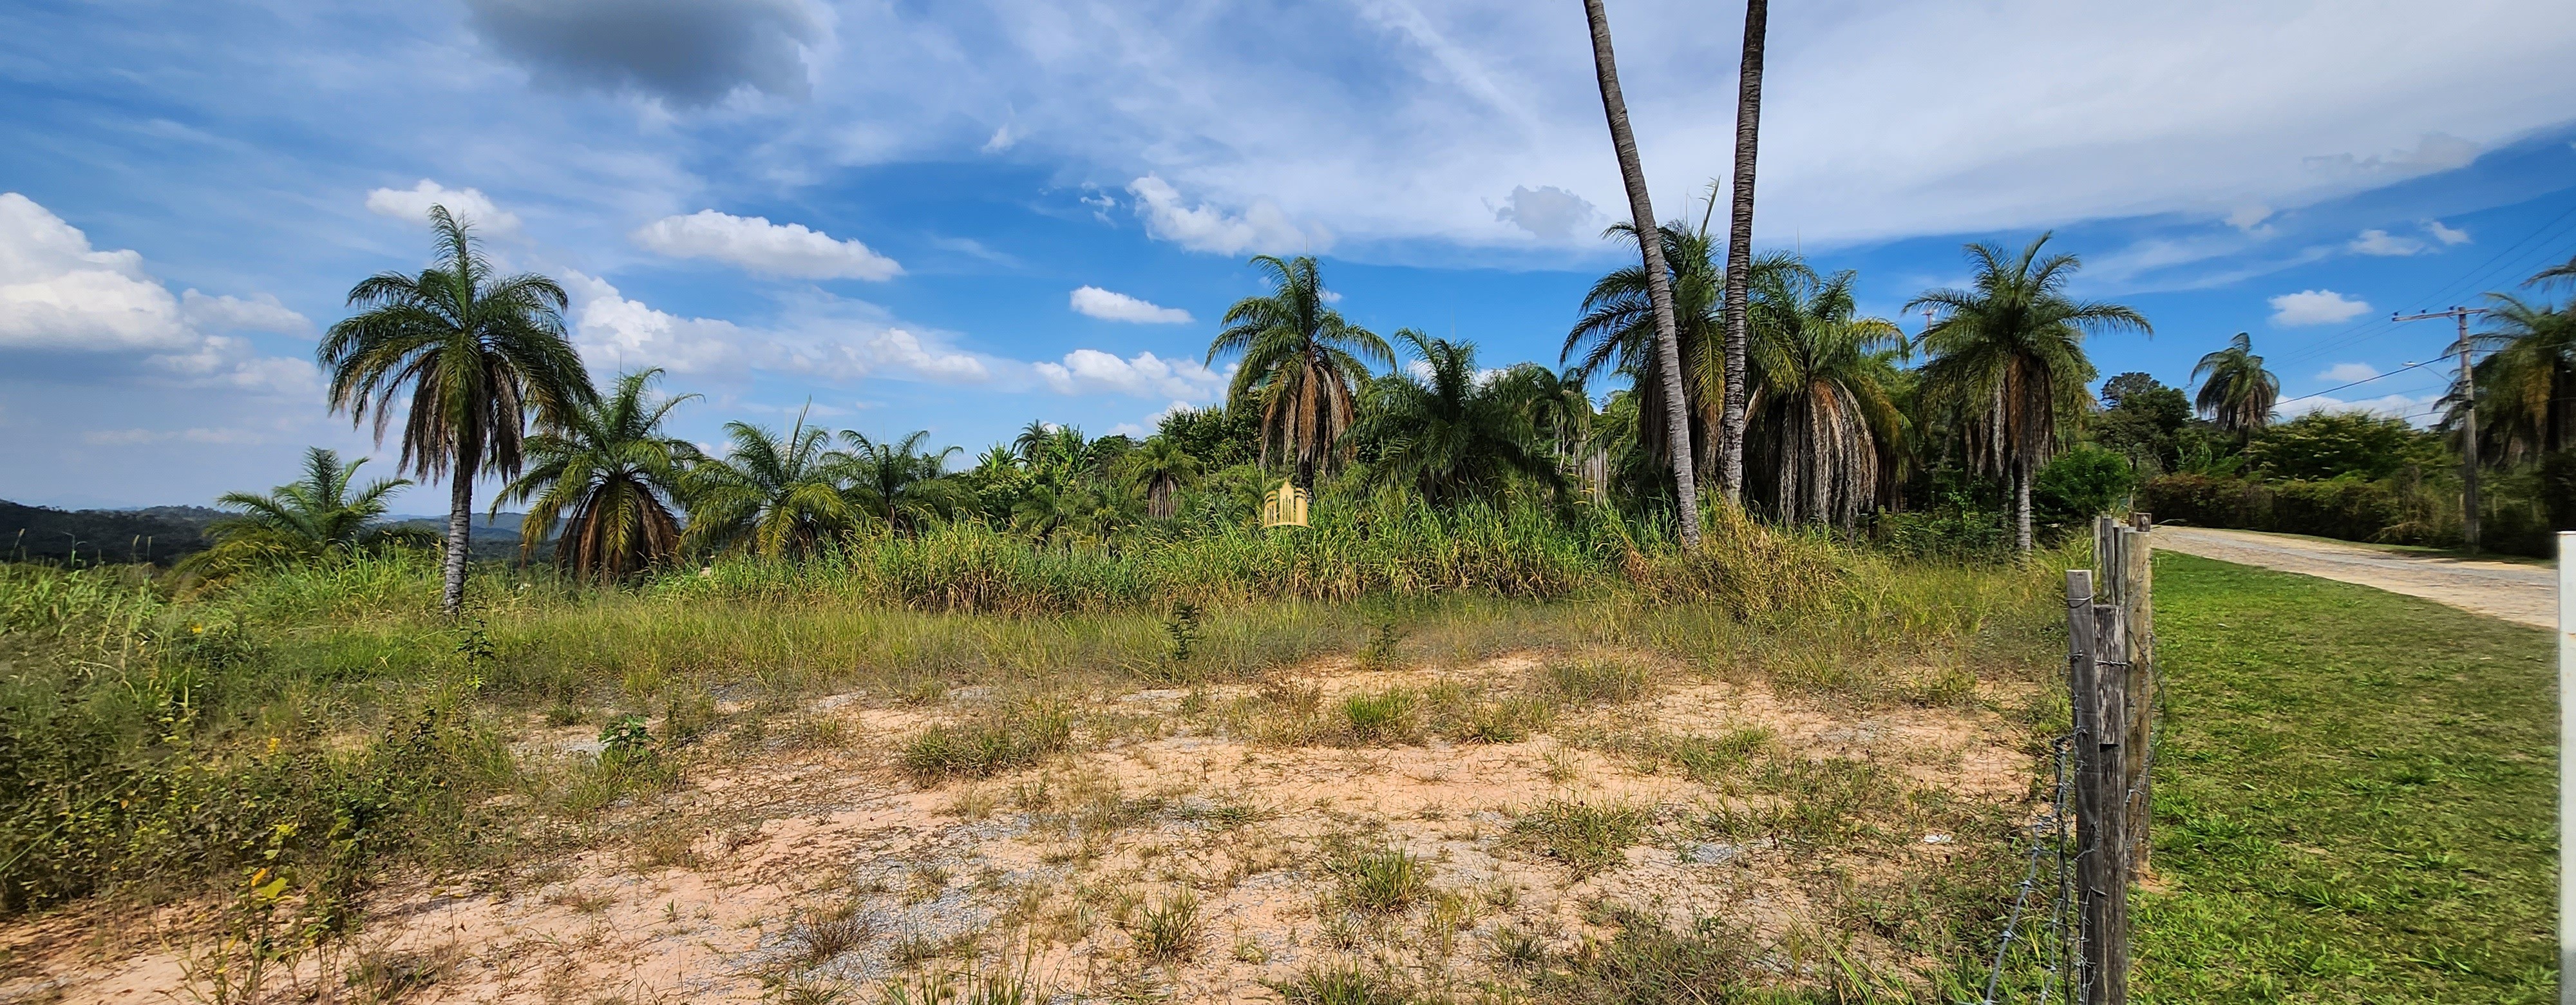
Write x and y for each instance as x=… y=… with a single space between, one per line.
x=312 y=517
x=1617 y=332
x=1555 y=404
x=1160 y=469
x=2527 y=384
x=1821 y=419
x=1447 y=434
x=771 y=494
x=2239 y=393
x=611 y=476
x=2009 y=355
x=1667 y=370
x=475 y=353
x=1739 y=246
x=1300 y=363
x=898 y=482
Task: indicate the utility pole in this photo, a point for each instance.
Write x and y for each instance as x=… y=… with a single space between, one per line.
x=2469 y=428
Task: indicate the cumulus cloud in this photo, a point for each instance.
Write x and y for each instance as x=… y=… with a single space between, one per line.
x=2346 y=373
x=1143 y=375
x=826 y=337
x=1261 y=228
x=760 y=246
x=1549 y=213
x=468 y=204
x=2446 y=235
x=685 y=52
x=2315 y=307
x=1092 y=301
x=2381 y=242
x=59 y=294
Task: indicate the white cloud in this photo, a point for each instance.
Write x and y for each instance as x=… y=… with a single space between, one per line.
x=758 y=245
x=1261 y=228
x=2446 y=235
x=1144 y=375
x=823 y=336
x=1549 y=213
x=1092 y=301
x=1002 y=139
x=197 y=434
x=2380 y=242
x=2416 y=410
x=469 y=204
x=260 y=313
x=59 y=294
x=2315 y=307
x=2249 y=218
x=2432 y=152
x=2346 y=373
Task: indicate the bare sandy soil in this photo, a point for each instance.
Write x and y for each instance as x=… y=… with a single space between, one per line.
x=2527 y=594
x=819 y=874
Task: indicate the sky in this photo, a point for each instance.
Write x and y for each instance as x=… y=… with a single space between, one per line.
x=966 y=215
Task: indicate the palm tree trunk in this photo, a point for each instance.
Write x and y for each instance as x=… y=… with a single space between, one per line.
x=460 y=523
x=1668 y=353
x=1739 y=247
x=2021 y=507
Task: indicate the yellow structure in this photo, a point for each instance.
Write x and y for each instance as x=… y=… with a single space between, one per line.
x=1286 y=507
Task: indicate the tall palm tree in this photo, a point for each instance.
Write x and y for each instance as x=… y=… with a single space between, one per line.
x=321 y=513
x=1160 y=469
x=1301 y=361
x=1557 y=405
x=611 y=476
x=1617 y=332
x=771 y=494
x=898 y=482
x=2527 y=384
x=2238 y=394
x=2008 y=354
x=1667 y=369
x=1447 y=434
x=1821 y=420
x=475 y=353
x=1739 y=246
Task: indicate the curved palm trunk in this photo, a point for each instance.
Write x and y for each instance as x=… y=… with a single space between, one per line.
x=2021 y=507
x=460 y=523
x=1739 y=247
x=1659 y=288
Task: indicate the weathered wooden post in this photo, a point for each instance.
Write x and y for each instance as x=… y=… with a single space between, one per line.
x=2138 y=617
x=2096 y=687
x=2566 y=778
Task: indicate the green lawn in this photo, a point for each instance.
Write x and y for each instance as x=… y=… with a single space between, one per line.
x=2354 y=797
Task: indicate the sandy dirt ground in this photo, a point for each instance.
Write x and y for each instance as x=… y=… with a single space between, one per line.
x=782 y=872
x=2526 y=594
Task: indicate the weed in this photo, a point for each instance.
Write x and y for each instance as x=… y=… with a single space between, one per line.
x=825 y=937
x=1384 y=880
x=1340 y=984
x=1383 y=717
x=1379 y=654
x=1010 y=984
x=1643 y=963
x=1711 y=759
x=1587 y=837
x=1181 y=632
x=982 y=748
x=1169 y=929
x=1595 y=682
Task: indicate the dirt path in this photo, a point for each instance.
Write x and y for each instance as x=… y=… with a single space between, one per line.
x=2525 y=594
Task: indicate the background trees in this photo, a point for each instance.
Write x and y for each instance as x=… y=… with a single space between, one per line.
x=477 y=354
x=1301 y=360
x=2238 y=393
x=610 y=475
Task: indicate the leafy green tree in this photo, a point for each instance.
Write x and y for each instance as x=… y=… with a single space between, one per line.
x=474 y=353
x=2142 y=419
x=610 y=474
x=2081 y=484
x=322 y=514
x=1446 y=434
x=2008 y=356
x=1160 y=469
x=1217 y=435
x=2343 y=444
x=1556 y=406
x=1824 y=426
x=771 y=494
x=1301 y=362
x=2238 y=393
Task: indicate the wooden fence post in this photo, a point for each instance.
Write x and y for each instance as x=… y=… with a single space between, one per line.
x=2138 y=615
x=2097 y=688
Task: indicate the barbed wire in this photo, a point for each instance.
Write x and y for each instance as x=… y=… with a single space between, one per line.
x=2046 y=833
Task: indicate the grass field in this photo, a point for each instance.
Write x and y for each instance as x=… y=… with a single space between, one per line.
x=2354 y=797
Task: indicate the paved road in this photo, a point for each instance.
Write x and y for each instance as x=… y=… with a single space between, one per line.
x=2527 y=594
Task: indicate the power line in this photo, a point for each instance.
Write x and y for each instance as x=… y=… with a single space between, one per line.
x=2537 y=238
x=2364 y=380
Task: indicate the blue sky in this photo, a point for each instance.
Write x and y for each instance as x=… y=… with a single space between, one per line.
x=961 y=216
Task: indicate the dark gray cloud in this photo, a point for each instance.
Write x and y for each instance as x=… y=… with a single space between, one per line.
x=688 y=52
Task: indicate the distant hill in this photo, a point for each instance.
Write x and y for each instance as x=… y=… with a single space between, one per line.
x=164 y=534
